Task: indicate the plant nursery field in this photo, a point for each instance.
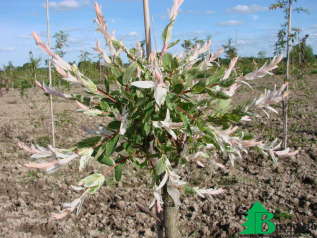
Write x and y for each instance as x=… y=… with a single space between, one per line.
x=28 y=197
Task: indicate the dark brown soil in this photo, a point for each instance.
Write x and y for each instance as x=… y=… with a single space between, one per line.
x=28 y=197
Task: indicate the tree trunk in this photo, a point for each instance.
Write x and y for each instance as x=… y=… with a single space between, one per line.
x=285 y=102
x=170 y=212
x=160 y=225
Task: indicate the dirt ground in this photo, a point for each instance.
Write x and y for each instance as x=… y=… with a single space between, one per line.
x=28 y=197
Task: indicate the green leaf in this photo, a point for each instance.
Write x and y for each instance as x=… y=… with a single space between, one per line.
x=160 y=166
x=81 y=98
x=109 y=148
x=227 y=83
x=117 y=44
x=118 y=172
x=111 y=145
x=199 y=87
x=178 y=88
x=100 y=151
x=167 y=61
x=129 y=72
x=147 y=128
x=89 y=142
x=105 y=106
x=189 y=190
x=166 y=35
x=93 y=190
x=172 y=44
x=114 y=125
x=106 y=160
x=186 y=122
x=93 y=182
x=221 y=106
x=217 y=94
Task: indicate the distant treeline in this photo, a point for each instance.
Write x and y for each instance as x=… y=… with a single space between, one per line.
x=24 y=76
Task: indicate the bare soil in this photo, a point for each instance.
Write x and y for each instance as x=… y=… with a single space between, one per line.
x=28 y=197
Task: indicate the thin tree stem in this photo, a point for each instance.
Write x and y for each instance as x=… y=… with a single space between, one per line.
x=50 y=73
x=285 y=102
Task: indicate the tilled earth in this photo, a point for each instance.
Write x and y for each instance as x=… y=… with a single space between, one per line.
x=27 y=198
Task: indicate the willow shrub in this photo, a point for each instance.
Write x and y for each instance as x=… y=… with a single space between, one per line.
x=160 y=112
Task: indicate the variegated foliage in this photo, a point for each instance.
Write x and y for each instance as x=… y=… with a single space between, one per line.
x=162 y=111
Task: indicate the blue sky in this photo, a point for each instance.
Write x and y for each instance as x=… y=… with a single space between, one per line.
x=248 y=22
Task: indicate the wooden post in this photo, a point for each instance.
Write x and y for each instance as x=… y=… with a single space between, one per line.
x=285 y=102
x=147 y=26
x=50 y=73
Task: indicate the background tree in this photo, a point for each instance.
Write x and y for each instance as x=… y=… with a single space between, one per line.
x=261 y=54
x=5 y=76
x=34 y=65
x=9 y=71
x=61 y=39
x=302 y=54
x=189 y=44
x=230 y=49
x=84 y=56
x=285 y=36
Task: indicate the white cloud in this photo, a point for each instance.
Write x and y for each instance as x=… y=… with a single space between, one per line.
x=243 y=42
x=255 y=17
x=132 y=34
x=230 y=23
x=26 y=36
x=86 y=2
x=7 y=49
x=313 y=35
x=209 y=12
x=194 y=12
x=247 y=9
x=65 y=4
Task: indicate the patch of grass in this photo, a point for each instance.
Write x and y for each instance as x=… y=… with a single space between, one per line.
x=280 y=215
x=63 y=118
x=43 y=141
x=31 y=176
x=314 y=71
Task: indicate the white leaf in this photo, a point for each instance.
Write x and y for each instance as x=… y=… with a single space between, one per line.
x=210 y=191
x=160 y=93
x=85 y=157
x=200 y=164
x=175 y=195
x=84 y=160
x=171 y=132
x=77 y=188
x=124 y=123
x=163 y=182
x=168 y=116
x=157 y=124
x=143 y=84
x=41 y=155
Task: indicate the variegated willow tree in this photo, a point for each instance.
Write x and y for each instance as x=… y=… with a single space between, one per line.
x=160 y=112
